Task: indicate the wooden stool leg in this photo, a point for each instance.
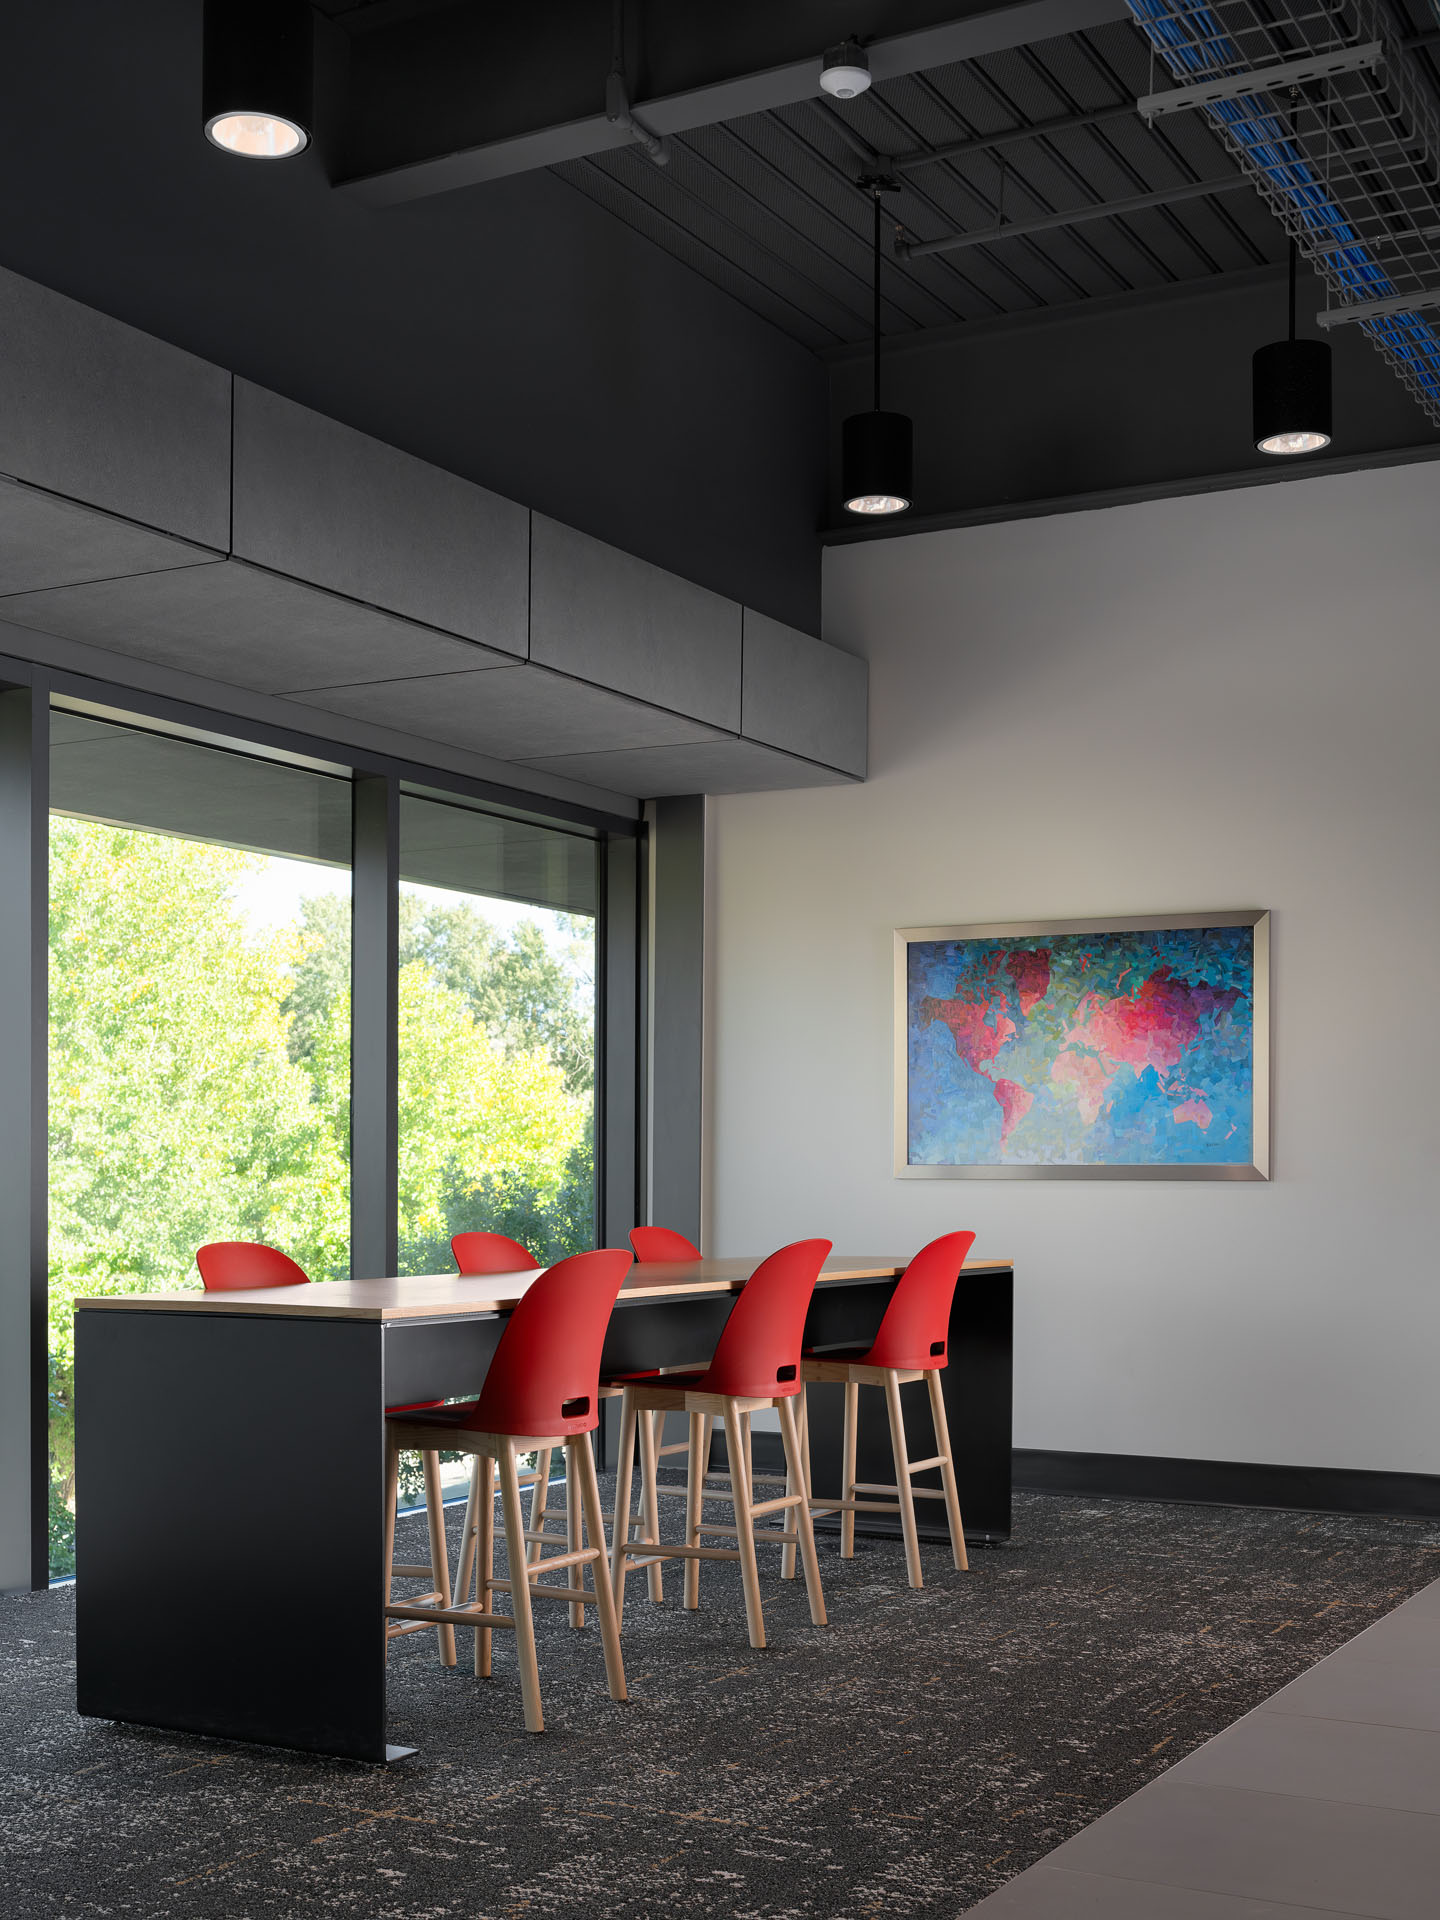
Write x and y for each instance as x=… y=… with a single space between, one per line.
x=588 y=1491
x=902 y=1477
x=947 y=1471
x=465 y=1568
x=485 y=1548
x=439 y=1553
x=792 y=1485
x=800 y=1516
x=744 y=1521
x=520 y=1589
x=539 y=1501
x=847 y=1471
x=392 y=1497
x=573 y=1530
x=649 y=1493
x=695 y=1462
x=620 y=1527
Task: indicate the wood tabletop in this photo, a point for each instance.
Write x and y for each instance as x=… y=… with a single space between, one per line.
x=445 y=1295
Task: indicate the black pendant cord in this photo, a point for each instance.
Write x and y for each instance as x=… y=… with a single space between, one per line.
x=875 y=324
x=1293 y=252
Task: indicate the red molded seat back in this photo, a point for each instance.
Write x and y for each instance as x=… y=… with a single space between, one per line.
x=916 y=1325
x=662 y=1243
x=545 y=1376
x=228 y=1266
x=758 y=1353
x=491 y=1253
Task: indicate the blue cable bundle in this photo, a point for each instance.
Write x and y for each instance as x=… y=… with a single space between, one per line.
x=1261 y=136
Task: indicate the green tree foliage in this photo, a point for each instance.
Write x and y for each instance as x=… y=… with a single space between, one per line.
x=524 y=996
x=200 y=1083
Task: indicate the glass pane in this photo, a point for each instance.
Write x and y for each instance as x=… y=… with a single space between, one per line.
x=199 y=1025
x=497 y=1033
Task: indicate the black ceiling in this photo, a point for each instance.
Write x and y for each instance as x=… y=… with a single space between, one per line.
x=638 y=350
x=767 y=206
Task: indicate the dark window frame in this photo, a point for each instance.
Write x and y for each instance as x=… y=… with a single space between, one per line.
x=27 y=695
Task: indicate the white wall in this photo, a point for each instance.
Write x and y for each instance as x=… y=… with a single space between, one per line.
x=1223 y=701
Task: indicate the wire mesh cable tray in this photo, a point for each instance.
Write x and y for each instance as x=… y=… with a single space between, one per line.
x=1349 y=166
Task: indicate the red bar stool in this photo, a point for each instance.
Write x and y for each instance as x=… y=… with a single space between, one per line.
x=541 y=1392
x=234 y=1266
x=756 y=1364
x=664 y=1243
x=653 y=1244
x=910 y=1345
x=497 y=1253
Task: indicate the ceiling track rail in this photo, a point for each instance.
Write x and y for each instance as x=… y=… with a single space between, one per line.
x=1348 y=159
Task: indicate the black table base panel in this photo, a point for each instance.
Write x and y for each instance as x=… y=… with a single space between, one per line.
x=202 y=1445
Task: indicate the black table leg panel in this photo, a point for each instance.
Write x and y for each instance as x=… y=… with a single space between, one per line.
x=206 y=1447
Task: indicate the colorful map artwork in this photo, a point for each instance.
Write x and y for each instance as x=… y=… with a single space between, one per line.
x=1096 y=1049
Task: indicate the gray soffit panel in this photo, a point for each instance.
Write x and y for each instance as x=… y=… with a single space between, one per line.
x=714 y=766
x=95 y=410
x=608 y=617
x=240 y=624
x=518 y=713
x=802 y=695
x=49 y=542
x=323 y=503
x=128 y=777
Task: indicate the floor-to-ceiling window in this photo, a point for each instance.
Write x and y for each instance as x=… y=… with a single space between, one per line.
x=199 y=1032
x=496 y=1032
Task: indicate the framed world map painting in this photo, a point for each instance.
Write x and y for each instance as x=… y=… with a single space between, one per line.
x=1084 y=1049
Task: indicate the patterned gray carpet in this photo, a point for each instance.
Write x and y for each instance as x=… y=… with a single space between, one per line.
x=902 y=1762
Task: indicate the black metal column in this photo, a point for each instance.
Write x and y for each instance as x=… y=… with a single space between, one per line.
x=24 y=985
x=374 y=1035
x=675 y=1040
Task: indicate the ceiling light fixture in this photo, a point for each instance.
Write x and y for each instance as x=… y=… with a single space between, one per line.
x=257 y=79
x=877 y=449
x=1291 y=385
x=845 y=71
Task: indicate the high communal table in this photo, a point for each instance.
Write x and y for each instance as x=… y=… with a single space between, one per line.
x=230 y=1469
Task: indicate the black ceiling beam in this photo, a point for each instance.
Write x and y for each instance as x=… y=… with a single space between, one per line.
x=1100 y=210
x=460 y=97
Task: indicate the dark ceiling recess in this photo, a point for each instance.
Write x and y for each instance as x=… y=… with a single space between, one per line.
x=1027 y=181
x=1033 y=127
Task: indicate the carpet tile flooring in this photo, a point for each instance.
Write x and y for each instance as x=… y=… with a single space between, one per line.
x=906 y=1761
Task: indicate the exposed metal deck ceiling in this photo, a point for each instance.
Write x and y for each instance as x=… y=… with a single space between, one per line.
x=767 y=207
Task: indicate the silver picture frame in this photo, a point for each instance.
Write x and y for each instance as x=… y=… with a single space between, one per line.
x=1259 y=1168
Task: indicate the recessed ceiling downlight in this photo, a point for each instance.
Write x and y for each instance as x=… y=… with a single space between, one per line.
x=257 y=77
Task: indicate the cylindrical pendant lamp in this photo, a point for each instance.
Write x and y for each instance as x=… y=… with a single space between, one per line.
x=258 y=79
x=1291 y=390
x=877 y=460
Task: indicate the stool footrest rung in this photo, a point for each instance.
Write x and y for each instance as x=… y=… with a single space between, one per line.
x=427 y=1572
x=545 y=1593
x=761 y=1535
x=580 y=1558
x=689 y=1553
x=917 y=1493
x=450 y=1616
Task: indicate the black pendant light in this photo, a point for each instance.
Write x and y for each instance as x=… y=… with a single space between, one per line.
x=258 y=77
x=877 y=449
x=1292 y=390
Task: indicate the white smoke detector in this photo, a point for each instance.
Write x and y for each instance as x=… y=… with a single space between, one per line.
x=845 y=71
